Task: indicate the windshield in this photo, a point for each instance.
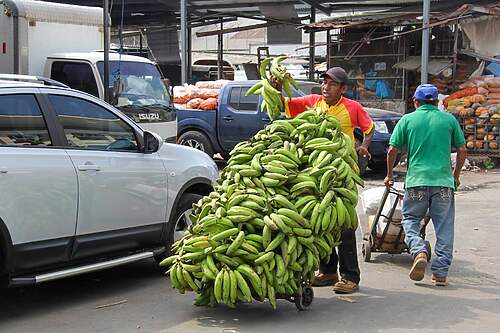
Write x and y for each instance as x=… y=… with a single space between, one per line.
x=135 y=84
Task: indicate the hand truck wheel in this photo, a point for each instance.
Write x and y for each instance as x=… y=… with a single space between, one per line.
x=366 y=249
x=304 y=300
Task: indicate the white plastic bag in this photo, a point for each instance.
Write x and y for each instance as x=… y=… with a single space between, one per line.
x=370 y=199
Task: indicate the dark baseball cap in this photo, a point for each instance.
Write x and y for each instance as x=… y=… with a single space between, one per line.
x=337 y=74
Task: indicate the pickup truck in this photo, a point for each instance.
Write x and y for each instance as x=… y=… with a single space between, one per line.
x=238 y=117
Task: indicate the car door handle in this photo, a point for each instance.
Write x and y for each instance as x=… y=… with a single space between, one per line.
x=228 y=118
x=3 y=170
x=266 y=120
x=89 y=167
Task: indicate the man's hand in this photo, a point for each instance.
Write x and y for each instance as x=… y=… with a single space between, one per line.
x=363 y=151
x=276 y=83
x=388 y=181
x=457 y=180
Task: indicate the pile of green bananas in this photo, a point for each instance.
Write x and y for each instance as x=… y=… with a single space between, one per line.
x=271 y=97
x=279 y=208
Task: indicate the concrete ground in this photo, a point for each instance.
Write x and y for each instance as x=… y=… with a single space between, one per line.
x=137 y=298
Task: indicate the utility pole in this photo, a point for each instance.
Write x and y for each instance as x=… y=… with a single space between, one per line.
x=425 y=42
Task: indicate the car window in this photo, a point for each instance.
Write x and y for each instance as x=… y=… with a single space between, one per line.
x=78 y=76
x=90 y=126
x=248 y=103
x=234 y=97
x=240 y=102
x=22 y=122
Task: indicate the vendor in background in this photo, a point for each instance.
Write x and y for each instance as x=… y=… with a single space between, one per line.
x=350 y=115
x=428 y=136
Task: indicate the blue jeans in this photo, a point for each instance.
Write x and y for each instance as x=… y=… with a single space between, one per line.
x=440 y=201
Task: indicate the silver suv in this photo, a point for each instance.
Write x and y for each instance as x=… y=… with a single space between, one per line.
x=83 y=187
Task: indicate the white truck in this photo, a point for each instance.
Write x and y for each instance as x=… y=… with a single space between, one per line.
x=58 y=41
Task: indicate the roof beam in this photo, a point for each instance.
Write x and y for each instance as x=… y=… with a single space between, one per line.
x=240 y=5
x=316 y=4
x=262 y=18
x=238 y=29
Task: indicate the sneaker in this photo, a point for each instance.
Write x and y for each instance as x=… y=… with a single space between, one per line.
x=439 y=281
x=345 y=287
x=322 y=279
x=417 y=271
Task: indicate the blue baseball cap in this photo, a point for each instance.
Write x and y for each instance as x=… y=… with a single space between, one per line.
x=426 y=92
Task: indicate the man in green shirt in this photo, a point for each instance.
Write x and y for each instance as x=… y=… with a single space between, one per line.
x=428 y=136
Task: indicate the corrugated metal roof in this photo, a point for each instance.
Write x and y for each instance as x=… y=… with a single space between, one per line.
x=447 y=11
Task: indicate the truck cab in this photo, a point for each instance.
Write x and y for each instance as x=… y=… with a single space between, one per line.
x=135 y=84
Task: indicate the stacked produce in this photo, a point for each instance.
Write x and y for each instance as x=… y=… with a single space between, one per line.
x=202 y=95
x=272 y=102
x=281 y=204
x=477 y=107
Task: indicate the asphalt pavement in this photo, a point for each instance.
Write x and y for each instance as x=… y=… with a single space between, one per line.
x=138 y=298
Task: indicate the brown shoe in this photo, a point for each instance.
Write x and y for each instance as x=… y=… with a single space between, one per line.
x=322 y=279
x=345 y=287
x=417 y=271
x=439 y=281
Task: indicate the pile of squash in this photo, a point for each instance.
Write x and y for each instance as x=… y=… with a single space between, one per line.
x=479 y=116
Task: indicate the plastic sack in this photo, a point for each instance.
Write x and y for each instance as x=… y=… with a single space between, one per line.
x=185 y=93
x=211 y=84
x=370 y=199
x=194 y=103
x=205 y=93
x=209 y=104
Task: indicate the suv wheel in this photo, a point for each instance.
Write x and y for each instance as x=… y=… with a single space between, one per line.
x=181 y=220
x=197 y=140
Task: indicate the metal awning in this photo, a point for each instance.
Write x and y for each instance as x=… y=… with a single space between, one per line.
x=440 y=12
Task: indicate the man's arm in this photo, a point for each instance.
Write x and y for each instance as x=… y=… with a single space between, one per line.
x=391 y=159
x=461 y=156
x=363 y=148
x=362 y=119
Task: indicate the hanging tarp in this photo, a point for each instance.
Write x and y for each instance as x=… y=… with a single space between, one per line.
x=483 y=35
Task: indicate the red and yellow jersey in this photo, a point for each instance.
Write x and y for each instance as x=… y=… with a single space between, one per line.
x=349 y=113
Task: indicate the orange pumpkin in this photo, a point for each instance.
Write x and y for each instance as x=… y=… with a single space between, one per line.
x=481 y=110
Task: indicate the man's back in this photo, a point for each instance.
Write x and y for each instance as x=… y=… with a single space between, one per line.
x=428 y=135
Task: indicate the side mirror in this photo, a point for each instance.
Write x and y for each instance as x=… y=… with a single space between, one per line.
x=152 y=142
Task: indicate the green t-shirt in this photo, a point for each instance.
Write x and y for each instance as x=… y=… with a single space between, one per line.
x=427 y=135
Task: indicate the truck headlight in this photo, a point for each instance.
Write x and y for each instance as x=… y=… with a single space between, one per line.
x=381 y=127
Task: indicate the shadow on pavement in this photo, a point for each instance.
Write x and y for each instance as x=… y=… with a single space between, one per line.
x=372 y=310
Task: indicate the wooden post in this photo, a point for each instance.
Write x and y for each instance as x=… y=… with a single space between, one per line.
x=312 y=41
x=220 y=59
x=455 y=56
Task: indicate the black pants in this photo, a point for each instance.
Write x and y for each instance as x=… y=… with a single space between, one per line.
x=347 y=259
